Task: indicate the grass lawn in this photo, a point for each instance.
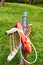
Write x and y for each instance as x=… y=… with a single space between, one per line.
x=9 y=14
x=39 y=5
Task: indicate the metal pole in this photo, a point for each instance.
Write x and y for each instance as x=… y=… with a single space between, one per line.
x=24 y=29
x=24 y=21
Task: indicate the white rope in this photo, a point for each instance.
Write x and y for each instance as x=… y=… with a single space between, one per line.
x=34 y=50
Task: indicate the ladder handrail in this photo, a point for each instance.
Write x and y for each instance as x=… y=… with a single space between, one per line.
x=12 y=30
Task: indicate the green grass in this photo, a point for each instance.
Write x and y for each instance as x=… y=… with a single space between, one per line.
x=39 y=5
x=9 y=14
